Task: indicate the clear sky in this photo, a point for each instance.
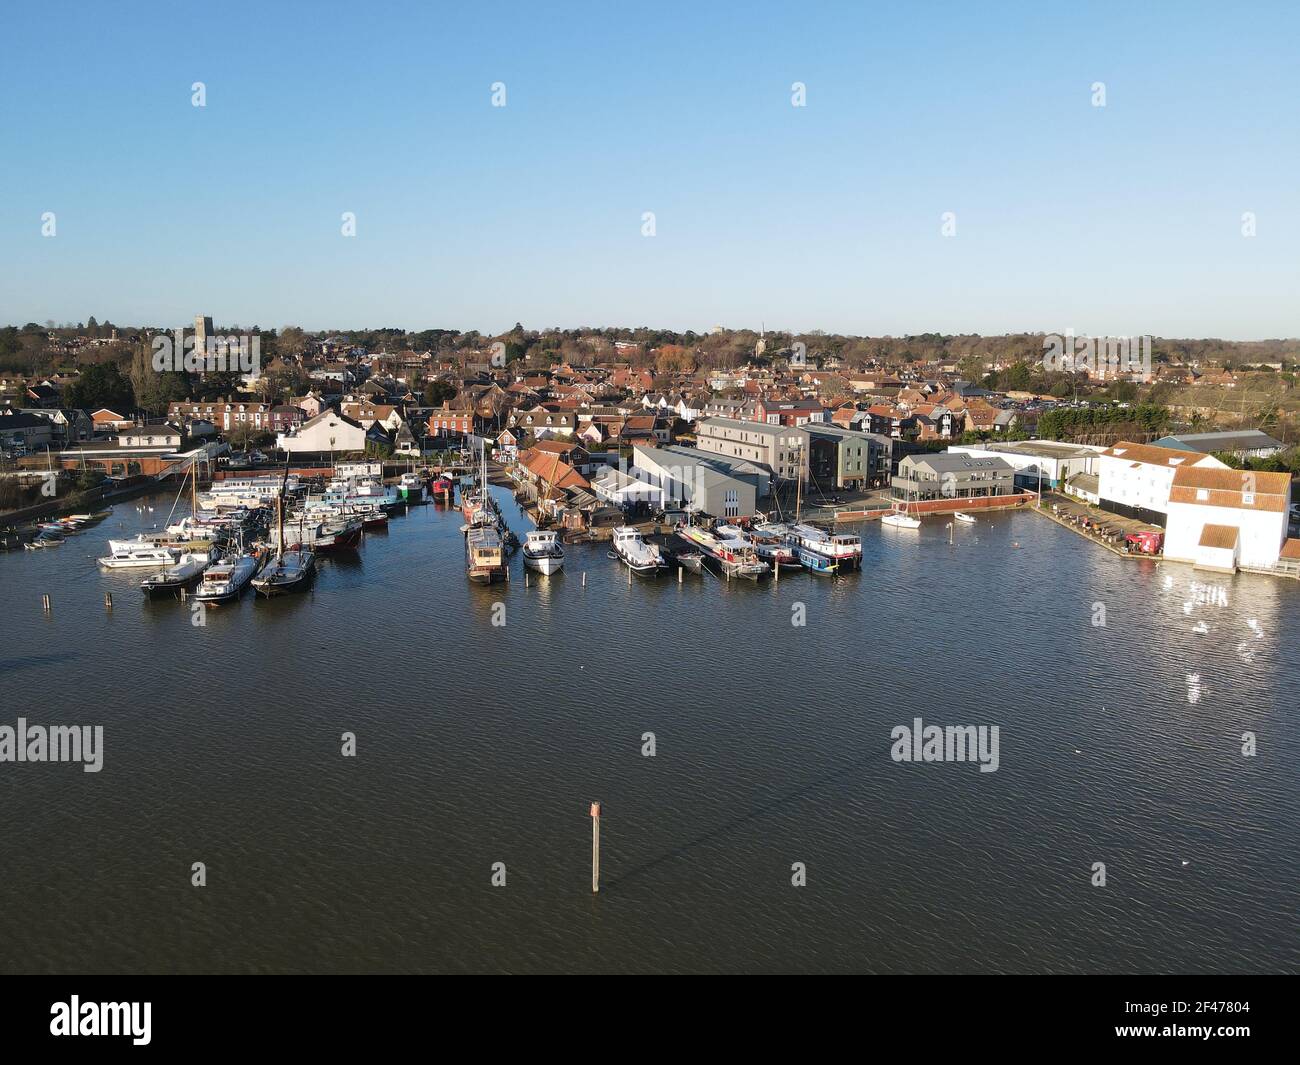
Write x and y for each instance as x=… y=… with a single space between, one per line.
x=1124 y=219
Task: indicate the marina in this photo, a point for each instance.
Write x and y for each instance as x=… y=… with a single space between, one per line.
x=799 y=766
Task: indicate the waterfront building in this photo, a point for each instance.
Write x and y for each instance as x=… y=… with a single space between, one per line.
x=782 y=449
x=1222 y=518
x=1134 y=479
x=847 y=458
x=619 y=489
x=695 y=481
x=1055 y=462
x=952 y=475
x=1240 y=443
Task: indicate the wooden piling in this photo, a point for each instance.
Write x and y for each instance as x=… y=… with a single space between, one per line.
x=595 y=847
x=108 y=600
x=584 y=578
x=680 y=571
x=45 y=603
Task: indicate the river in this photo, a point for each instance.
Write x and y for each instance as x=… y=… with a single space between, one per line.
x=479 y=744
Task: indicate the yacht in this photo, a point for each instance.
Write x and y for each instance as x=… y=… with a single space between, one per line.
x=637 y=555
x=542 y=551
x=965 y=519
x=138 y=556
x=900 y=519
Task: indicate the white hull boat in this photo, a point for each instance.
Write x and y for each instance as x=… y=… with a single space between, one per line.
x=227 y=579
x=542 y=552
x=635 y=553
x=140 y=556
x=187 y=569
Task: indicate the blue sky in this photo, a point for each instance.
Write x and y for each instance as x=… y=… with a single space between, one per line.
x=1117 y=220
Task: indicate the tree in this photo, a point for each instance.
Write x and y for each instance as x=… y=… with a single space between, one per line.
x=437 y=392
x=101 y=386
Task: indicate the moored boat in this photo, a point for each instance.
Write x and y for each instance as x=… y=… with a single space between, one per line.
x=733 y=557
x=965 y=519
x=635 y=553
x=139 y=556
x=288 y=571
x=485 y=556
x=183 y=573
x=543 y=551
x=225 y=580
x=844 y=549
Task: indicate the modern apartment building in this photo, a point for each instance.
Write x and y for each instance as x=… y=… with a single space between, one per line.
x=783 y=449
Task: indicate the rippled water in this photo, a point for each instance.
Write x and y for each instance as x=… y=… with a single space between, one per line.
x=480 y=744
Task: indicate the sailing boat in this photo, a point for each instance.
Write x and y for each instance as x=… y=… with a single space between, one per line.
x=901 y=519
x=288 y=571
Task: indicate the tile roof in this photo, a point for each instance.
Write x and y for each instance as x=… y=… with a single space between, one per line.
x=1232 y=488
x=1219 y=536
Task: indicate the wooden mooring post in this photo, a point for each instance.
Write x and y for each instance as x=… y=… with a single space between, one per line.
x=595 y=847
x=45 y=603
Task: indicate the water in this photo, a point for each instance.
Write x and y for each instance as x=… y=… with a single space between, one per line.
x=480 y=744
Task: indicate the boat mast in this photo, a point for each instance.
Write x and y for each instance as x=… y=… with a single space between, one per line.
x=798 y=491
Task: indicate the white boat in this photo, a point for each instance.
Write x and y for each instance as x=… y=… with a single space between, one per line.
x=842 y=550
x=226 y=579
x=637 y=555
x=140 y=556
x=899 y=520
x=187 y=569
x=542 y=551
x=965 y=519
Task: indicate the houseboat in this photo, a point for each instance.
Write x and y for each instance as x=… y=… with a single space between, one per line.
x=734 y=557
x=843 y=549
x=485 y=555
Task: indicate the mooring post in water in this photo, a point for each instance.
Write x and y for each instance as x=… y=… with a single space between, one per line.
x=595 y=847
x=679 y=574
x=45 y=603
x=108 y=600
x=584 y=578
